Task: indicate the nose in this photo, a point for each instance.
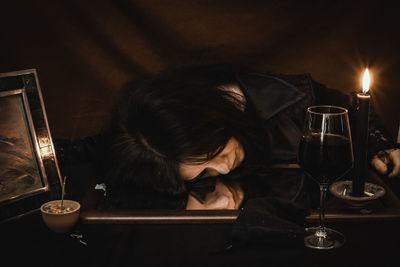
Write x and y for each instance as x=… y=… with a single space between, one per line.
x=222 y=165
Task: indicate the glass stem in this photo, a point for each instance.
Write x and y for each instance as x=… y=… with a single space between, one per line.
x=323 y=188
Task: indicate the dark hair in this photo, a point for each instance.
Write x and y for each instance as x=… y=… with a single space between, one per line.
x=176 y=117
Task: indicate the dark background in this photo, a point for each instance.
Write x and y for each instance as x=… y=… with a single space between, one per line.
x=84 y=51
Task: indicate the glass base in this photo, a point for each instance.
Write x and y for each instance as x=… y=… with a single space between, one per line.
x=317 y=239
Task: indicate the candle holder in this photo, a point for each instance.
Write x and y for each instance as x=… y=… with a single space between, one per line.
x=344 y=190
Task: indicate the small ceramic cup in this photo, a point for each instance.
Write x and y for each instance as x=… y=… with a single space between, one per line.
x=60 y=220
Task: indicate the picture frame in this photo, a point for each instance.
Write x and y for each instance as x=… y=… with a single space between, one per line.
x=29 y=171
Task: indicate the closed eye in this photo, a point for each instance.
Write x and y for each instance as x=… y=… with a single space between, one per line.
x=201 y=175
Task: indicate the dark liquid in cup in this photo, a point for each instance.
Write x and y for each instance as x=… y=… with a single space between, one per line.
x=325 y=157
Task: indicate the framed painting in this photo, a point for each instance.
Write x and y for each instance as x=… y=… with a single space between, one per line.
x=29 y=172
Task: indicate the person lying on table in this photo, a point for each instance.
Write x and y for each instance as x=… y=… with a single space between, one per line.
x=187 y=138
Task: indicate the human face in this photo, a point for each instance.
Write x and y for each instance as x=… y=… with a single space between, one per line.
x=223 y=197
x=223 y=163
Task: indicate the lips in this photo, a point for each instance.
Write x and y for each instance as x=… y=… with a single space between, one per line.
x=234 y=161
x=238 y=156
x=237 y=194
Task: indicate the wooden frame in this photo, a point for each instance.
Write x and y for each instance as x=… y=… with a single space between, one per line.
x=29 y=172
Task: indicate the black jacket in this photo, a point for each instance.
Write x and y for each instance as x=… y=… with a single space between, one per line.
x=281 y=100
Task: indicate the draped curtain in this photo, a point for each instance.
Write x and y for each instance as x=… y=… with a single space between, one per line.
x=84 y=51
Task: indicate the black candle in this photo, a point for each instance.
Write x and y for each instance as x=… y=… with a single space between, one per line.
x=361 y=138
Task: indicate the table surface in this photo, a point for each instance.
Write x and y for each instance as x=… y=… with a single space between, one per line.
x=367 y=244
x=371 y=240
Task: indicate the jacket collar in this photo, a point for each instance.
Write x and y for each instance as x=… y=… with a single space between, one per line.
x=267 y=93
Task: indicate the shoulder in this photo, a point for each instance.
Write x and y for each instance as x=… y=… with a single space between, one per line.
x=272 y=93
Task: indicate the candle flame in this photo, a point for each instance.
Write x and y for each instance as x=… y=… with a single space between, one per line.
x=366 y=80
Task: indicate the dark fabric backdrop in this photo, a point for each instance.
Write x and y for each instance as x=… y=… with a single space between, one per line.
x=84 y=51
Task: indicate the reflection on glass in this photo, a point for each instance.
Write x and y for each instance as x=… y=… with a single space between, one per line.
x=19 y=171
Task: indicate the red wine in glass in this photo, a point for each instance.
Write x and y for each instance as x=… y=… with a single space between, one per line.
x=325 y=154
x=326 y=160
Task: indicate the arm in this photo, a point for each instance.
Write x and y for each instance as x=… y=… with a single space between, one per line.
x=85 y=150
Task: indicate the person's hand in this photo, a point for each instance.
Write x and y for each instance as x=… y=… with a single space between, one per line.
x=223 y=197
x=381 y=161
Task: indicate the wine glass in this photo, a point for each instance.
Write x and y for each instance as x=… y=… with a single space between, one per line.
x=325 y=155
